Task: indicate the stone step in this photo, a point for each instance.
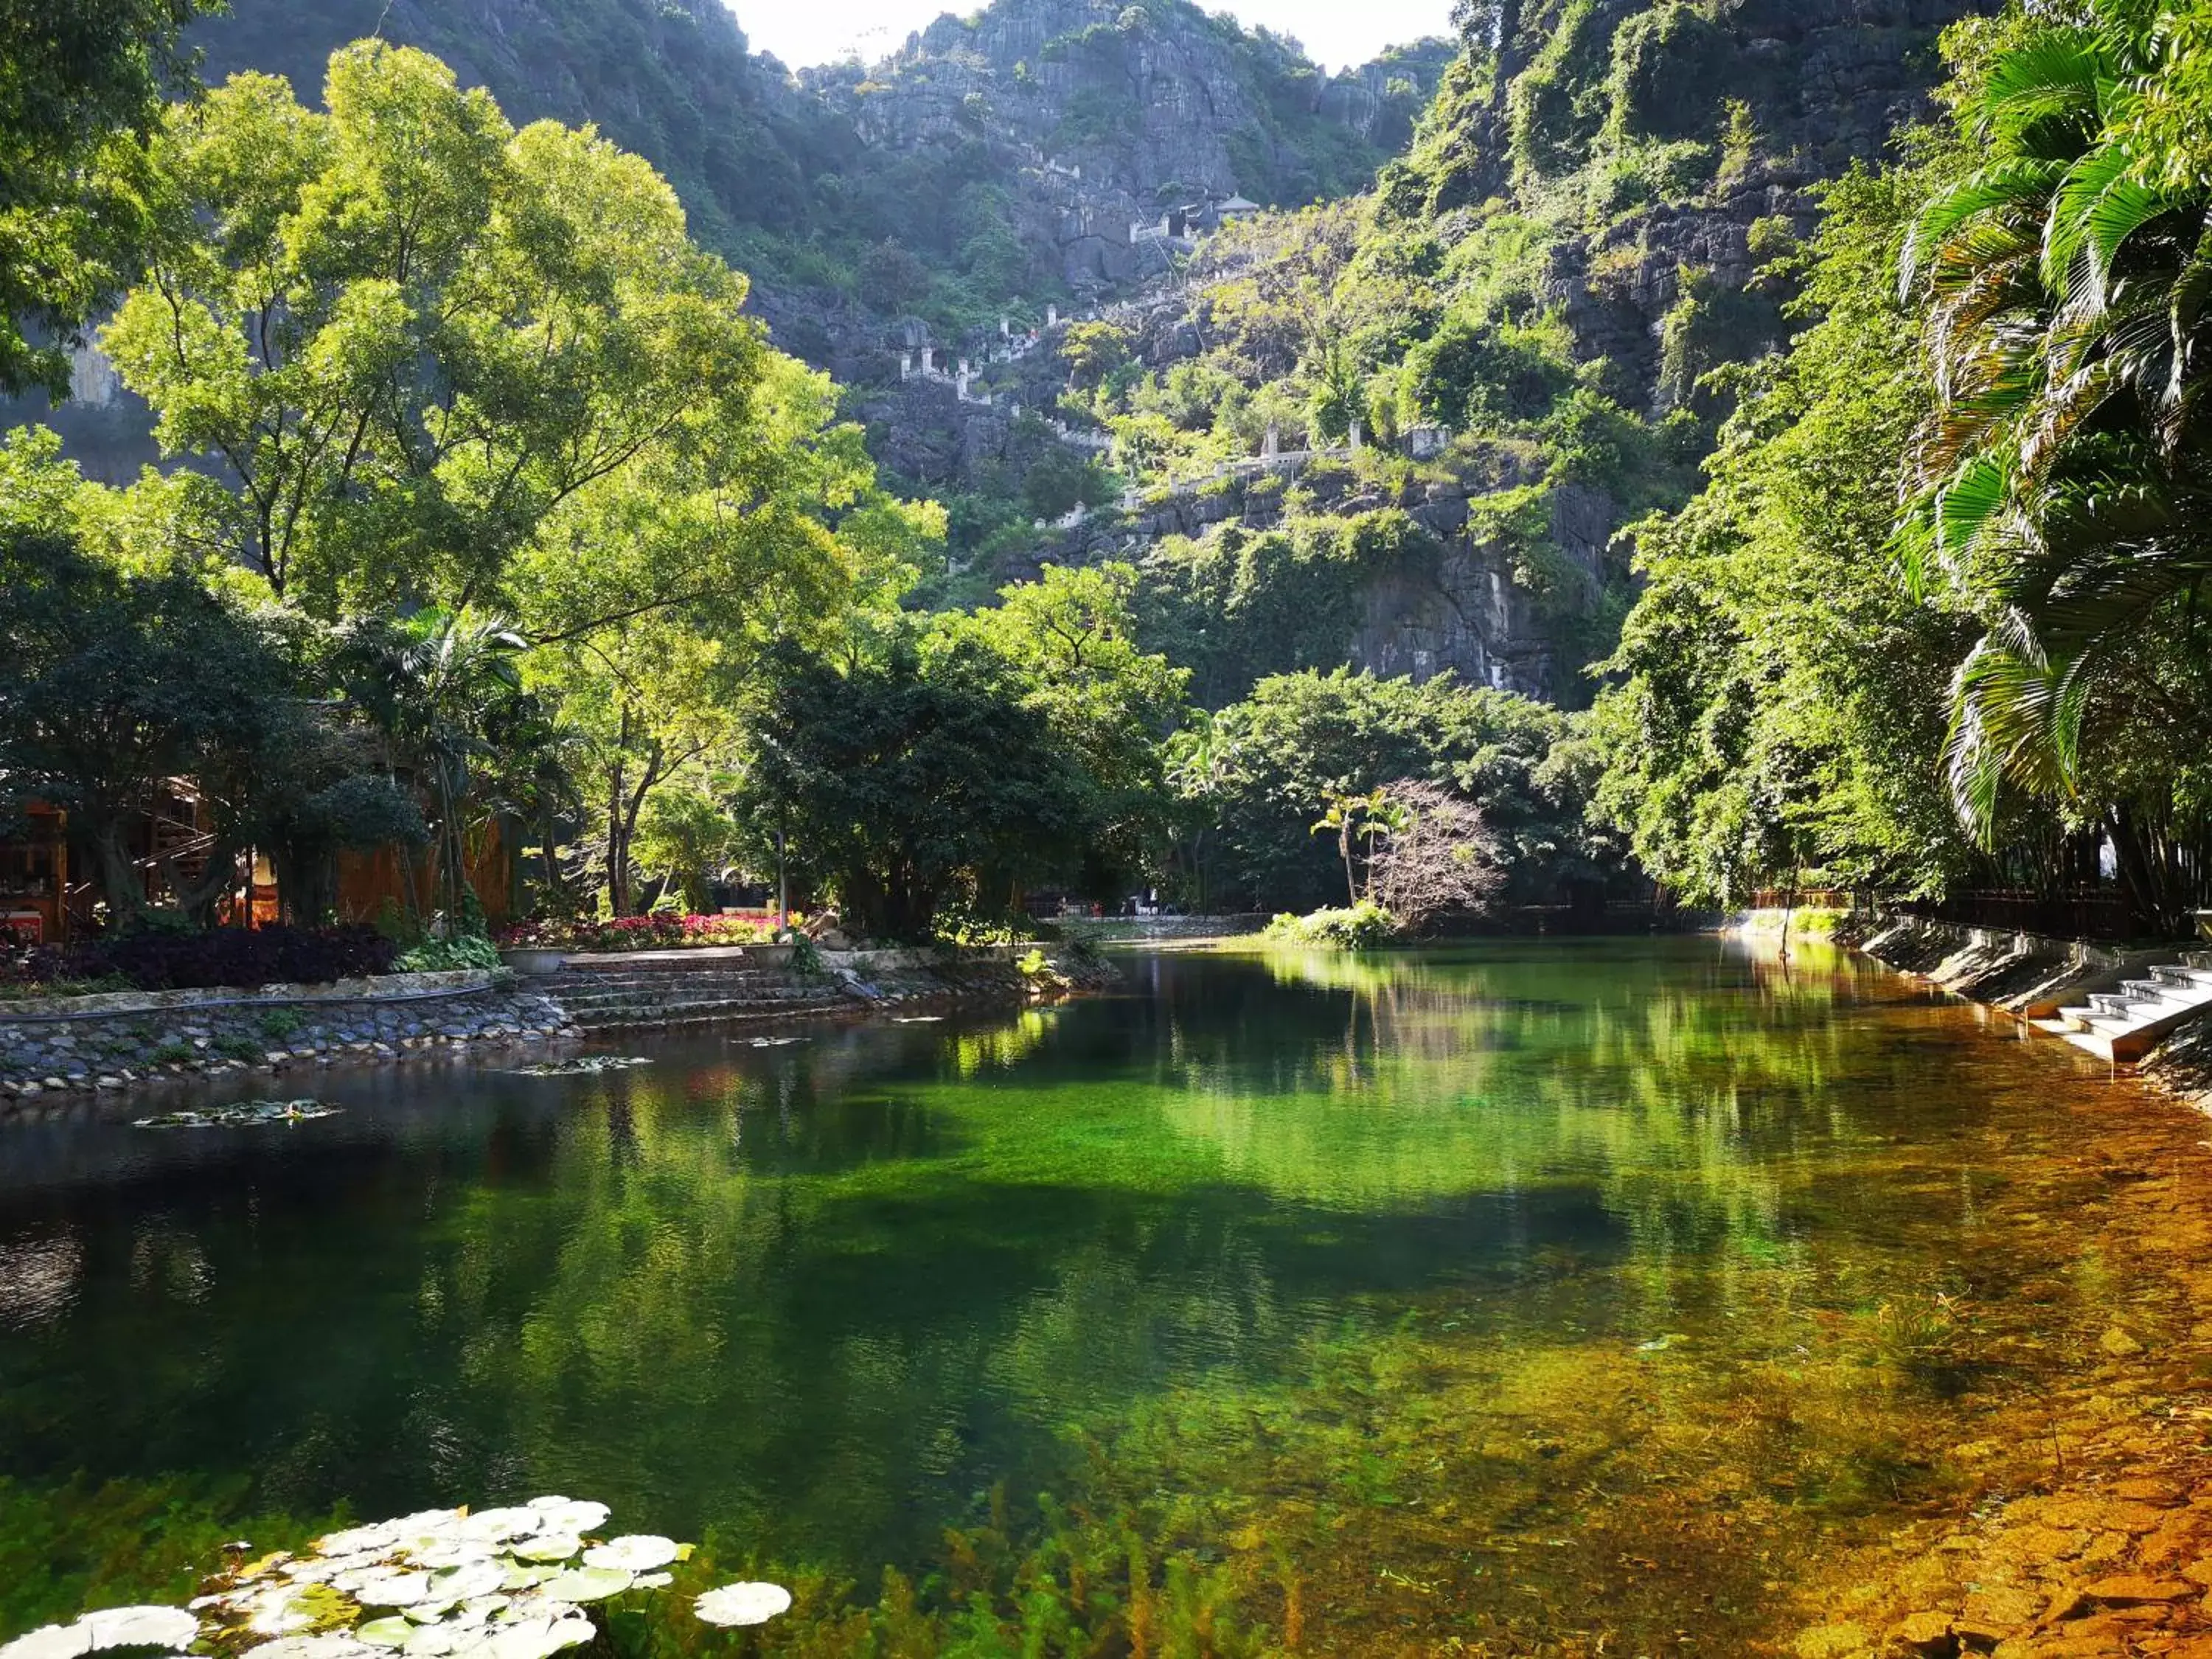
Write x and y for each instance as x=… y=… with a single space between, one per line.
x=700 y=1013
x=611 y=976
x=653 y=1011
x=2184 y=978
x=2157 y=991
x=569 y=997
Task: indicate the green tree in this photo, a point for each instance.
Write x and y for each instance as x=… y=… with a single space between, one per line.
x=1302 y=744
x=1068 y=643
x=1779 y=697
x=2062 y=496
x=81 y=86
x=114 y=684
x=911 y=782
x=440 y=686
x=407 y=335
x=1093 y=350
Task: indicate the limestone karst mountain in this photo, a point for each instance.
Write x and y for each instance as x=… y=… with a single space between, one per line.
x=1594 y=183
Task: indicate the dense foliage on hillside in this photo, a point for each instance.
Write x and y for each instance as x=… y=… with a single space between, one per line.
x=2009 y=338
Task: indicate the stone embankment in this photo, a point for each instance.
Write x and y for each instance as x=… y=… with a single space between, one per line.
x=53 y=1045
x=56 y=1046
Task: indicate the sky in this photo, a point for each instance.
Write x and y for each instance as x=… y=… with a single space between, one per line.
x=1336 y=33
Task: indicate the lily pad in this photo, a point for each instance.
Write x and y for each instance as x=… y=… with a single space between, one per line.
x=140 y=1628
x=473 y=1578
x=570 y=1514
x=637 y=1552
x=49 y=1642
x=593 y=1583
x=535 y=1638
x=393 y=1589
x=390 y=1633
x=497 y=1526
x=245 y=1114
x=554 y=1547
x=742 y=1604
x=332 y=1645
x=581 y=1066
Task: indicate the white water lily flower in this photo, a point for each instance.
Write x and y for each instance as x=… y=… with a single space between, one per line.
x=570 y=1514
x=639 y=1552
x=587 y=1584
x=140 y=1628
x=742 y=1604
x=49 y=1642
x=554 y=1547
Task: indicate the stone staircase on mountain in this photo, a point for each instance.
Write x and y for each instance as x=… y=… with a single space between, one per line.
x=2125 y=1024
x=606 y=996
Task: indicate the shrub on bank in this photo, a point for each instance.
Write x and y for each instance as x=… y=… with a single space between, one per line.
x=1362 y=928
x=439 y=955
x=166 y=961
x=660 y=932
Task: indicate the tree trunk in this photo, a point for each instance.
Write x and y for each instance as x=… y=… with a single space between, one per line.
x=552 y=863
x=119 y=881
x=618 y=851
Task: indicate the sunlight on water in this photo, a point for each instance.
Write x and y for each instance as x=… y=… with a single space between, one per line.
x=1532 y=1297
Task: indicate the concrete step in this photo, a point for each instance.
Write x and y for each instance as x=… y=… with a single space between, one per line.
x=2124 y=1026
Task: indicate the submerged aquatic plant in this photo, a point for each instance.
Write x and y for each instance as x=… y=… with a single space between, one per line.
x=497 y=1583
x=245 y=1113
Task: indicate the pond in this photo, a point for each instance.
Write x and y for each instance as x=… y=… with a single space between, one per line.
x=1565 y=1297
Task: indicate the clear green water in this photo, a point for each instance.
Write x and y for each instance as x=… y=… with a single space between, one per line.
x=1514 y=1297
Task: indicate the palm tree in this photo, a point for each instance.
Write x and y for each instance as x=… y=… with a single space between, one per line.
x=435 y=684
x=1346 y=814
x=2062 y=483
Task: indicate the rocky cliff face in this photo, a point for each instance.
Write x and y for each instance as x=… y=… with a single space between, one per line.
x=1618 y=170
x=1080 y=116
x=1103 y=114
x=1671 y=149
